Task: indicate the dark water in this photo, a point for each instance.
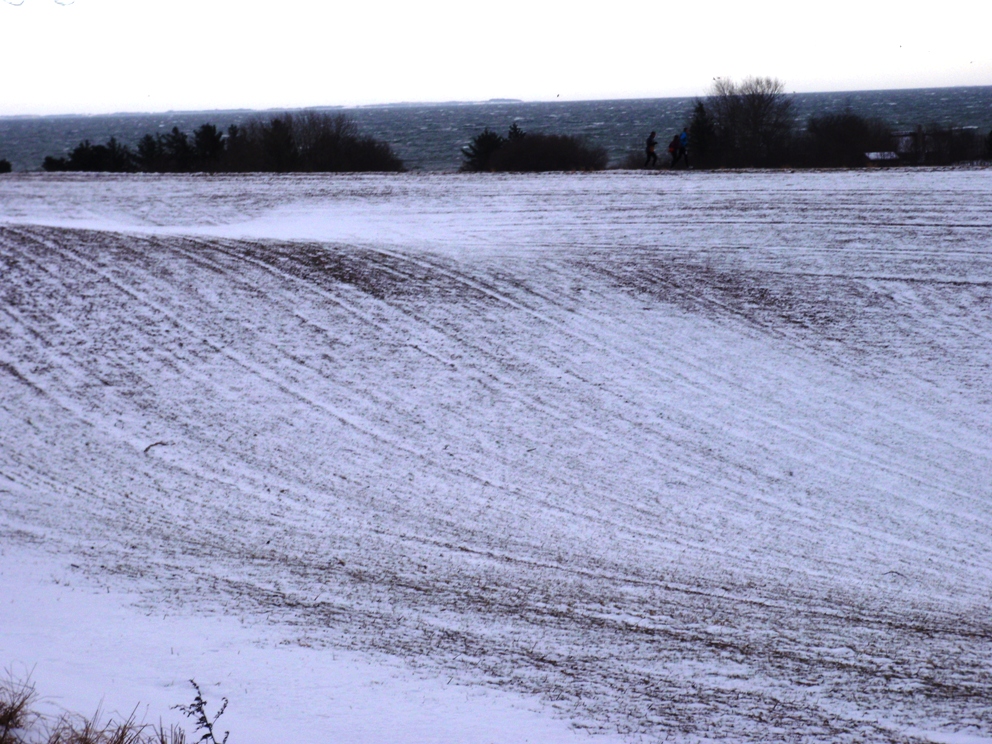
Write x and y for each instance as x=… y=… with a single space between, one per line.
x=430 y=136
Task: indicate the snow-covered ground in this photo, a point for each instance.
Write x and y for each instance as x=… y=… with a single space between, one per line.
x=481 y=458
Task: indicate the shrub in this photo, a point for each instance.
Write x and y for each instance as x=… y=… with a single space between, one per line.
x=20 y=724
x=53 y=164
x=946 y=145
x=841 y=140
x=936 y=144
x=16 y=698
x=74 y=729
x=112 y=157
x=520 y=152
x=4 y=166
x=309 y=141
x=333 y=143
x=197 y=710
x=547 y=152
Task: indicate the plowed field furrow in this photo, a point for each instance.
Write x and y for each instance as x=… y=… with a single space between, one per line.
x=701 y=457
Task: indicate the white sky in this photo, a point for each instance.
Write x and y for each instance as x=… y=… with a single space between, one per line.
x=133 y=55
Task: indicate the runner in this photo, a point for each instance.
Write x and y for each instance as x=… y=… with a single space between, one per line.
x=652 y=159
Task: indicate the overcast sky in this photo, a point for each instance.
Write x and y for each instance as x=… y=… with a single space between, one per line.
x=96 y=56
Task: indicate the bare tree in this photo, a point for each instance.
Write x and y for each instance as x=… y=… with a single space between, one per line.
x=751 y=120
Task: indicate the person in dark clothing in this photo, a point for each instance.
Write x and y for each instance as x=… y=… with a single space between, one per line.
x=684 y=146
x=652 y=159
x=673 y=150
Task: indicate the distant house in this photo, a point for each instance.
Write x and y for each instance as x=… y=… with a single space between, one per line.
x=882 y=158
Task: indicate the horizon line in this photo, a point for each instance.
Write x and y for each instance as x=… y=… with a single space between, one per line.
x=411 y=104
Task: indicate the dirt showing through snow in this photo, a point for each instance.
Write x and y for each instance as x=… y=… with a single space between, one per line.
x=704 y=456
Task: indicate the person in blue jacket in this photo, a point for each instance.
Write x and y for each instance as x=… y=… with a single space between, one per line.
x=683 y=151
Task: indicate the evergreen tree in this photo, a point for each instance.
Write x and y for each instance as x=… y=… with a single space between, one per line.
x=479 y=151
x=112 y=157
x=177 y=151
x=702 y=135
x=150 y=154
x=278 y=145
x=208 y=143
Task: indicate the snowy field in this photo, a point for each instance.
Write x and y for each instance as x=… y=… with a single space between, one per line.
x=615 y=458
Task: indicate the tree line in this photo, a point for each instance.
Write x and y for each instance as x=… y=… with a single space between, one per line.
x=746 y=124
x=750 y=125
x=305 y=142
x=521 y=152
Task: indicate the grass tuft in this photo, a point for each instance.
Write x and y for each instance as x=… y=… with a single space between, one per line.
x=16 y=700
x=75 y=729
x=21 y=724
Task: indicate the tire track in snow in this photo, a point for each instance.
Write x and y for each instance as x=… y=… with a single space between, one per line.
x=867 y=462
x=836 y=439
x=635 y=529
x=839 y=442
x=805 y=512
x=506 y=382
x=386 y=402
x=264 y=374
x=694 y=472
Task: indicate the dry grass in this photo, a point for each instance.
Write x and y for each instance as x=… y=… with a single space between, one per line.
x=74 y=729
x=171 y=735
x=16 y=700
x=20 y=723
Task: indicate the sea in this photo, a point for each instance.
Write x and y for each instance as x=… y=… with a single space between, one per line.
x=430 y=137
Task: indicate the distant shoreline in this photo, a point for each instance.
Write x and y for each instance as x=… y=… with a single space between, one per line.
x=442 y=104
x=430 y=136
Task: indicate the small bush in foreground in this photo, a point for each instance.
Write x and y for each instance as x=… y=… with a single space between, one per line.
x=16 y=699
x=197 y=710
x=21 y=724
x=75 y=729
x=4 y=166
